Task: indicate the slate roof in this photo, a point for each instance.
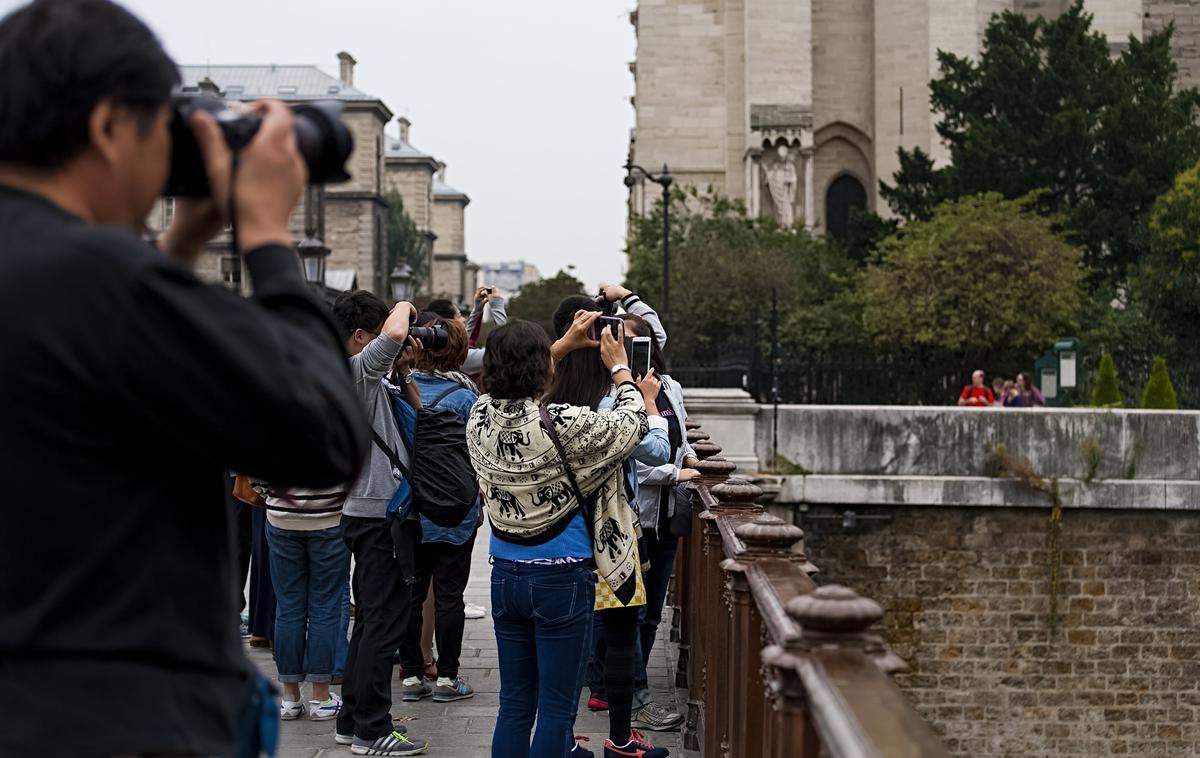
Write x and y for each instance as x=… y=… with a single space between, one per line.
x=441 y=189
x=394 y=148
x=281 y=82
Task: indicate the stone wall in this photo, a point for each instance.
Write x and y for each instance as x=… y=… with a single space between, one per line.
x=967 y=594
x=414 y=182
x=1185 y=45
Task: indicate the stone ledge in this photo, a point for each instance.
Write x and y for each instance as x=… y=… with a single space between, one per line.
x=955 y=491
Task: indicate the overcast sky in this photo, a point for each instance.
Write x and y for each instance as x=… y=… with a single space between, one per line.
x=526 y=102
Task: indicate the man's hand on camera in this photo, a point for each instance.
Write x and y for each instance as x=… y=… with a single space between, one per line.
x=650 y=385
x=199 y=219
x=270 y=179
x=577 y=336
x=402 y=316
x=483 y=295
x=408 y=357
x=612 y=293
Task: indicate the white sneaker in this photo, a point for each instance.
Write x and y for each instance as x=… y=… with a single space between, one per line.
x=324 y=710
x=290 y=710
x=473 y=611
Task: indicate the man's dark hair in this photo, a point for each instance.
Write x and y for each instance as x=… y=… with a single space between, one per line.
x=359 y=310
x=443 y=308
x=517 y=361
x=59 y=59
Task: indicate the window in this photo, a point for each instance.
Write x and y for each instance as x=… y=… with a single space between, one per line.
x=168 y=211
x=231 y=272
x=287 y=89
x=844 y=193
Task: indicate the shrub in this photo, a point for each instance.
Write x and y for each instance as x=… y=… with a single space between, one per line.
x=1160 y=393
x=1107 y=394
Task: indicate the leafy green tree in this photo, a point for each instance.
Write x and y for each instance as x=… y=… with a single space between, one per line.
x=1107 y=392
x=1160 y=393
x=1167 y=284
x=1046 y=108
x=983 y=277
x=536 y=302
x=405 y=243
x=724 y=266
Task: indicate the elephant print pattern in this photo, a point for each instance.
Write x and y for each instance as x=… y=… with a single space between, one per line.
x=509 y=443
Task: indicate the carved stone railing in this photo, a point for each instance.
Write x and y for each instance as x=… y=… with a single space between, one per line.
x=774 y=665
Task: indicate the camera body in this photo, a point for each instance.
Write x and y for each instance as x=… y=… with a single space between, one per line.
x=432 y=337
x=324 y=141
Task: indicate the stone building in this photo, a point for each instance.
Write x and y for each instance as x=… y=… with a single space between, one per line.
x=349 y=217
x=410 y=172
x=509 y=276
x=454 y=276
x=798 y=108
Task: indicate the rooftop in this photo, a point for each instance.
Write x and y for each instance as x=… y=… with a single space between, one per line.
x=281 y=82
x=396 y=148
x=441 y=189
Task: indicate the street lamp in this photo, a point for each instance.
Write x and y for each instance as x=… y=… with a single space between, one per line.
x=401 y=281
x=664 y=180
x=312 y=250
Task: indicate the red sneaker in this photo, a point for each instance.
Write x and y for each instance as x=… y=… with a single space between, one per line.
x=637 y=747
x=596 y=704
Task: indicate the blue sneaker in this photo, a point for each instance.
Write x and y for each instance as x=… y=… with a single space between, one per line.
x=449 y=690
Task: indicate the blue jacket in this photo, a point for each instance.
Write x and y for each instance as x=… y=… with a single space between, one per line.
x=460 y=401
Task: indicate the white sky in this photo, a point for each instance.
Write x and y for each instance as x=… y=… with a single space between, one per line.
x=526 y=102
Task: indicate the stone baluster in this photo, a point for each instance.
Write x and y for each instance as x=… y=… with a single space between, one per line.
x=838 y=614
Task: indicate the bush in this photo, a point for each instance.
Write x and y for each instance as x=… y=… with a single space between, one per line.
x=1160 y=393
x=1107 y=394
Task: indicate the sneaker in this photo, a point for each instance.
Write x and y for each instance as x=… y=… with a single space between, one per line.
x=396 y=743
x=449 y=690
x=657 y=718
x=323 y=710
x=290 y=710
x=473 y=611
x=348 y=739
x=579 y=751
x=596 y=704
x=637 y=747
x=416 y=689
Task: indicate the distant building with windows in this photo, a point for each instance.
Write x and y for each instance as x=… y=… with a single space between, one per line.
x=509 y=276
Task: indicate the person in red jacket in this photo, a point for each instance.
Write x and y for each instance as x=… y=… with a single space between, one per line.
x=977 y=394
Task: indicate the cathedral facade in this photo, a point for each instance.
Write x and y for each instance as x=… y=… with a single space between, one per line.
x=798 y=107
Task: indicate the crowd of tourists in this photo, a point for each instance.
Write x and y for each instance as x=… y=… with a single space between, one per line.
x=1020 y=392
x=164 y=436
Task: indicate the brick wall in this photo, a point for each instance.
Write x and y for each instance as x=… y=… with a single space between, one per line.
x=967 y=599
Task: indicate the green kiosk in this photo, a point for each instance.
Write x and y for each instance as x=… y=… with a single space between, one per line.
x=1057 y=373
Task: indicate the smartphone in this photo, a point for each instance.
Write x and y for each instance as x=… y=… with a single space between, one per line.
x=639 y=356
x=611 y=323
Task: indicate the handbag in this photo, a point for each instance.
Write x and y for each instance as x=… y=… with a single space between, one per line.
x=681 y=519
x=247 y=494
x=605 y=599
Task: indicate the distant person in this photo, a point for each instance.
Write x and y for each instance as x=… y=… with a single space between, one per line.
x=485 y=297
x=1012 y=395
x=977 y=394
x=998 y=391
x=1030 y=394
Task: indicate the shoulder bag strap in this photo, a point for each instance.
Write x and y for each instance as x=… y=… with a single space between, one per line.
x=552 y=433
x=449 y=391
x=391 y=454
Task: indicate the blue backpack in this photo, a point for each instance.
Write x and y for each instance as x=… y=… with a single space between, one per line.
x=440 y=482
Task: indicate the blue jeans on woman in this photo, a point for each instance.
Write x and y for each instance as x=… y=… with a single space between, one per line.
x=308 y=569
x=543 y=621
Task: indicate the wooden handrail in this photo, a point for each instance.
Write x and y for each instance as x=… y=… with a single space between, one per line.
x=776 y=665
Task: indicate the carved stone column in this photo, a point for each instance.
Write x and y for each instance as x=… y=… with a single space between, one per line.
x=810 y=209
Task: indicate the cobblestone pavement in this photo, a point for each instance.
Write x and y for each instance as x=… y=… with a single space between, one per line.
x=464 y=729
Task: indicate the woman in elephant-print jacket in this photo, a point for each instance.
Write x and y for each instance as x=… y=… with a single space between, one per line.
x=544 y=564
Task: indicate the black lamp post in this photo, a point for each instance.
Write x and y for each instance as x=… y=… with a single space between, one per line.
x=663 y=179
x=312 y=250
x=401 y=280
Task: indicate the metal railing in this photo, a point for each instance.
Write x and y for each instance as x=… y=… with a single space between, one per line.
x=774 y=665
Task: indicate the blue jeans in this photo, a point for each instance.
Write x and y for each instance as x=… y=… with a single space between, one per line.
x=342 y=646
x=308 y=570
x=543 y=621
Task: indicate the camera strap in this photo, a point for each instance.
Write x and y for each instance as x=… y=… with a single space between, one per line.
x=233 y=226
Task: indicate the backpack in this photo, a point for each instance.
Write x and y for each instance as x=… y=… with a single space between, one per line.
x=441 y=481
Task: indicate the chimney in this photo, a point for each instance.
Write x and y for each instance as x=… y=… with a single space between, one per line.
x=404 y=125
x=346 y=68
x=209 y=87
x=441 y=172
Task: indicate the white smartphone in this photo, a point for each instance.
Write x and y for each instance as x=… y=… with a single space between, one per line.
x=639 y=357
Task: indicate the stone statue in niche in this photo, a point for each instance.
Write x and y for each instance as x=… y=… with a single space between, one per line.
x=781 y=181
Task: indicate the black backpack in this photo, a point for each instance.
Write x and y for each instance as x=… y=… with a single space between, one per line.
x=443 y=482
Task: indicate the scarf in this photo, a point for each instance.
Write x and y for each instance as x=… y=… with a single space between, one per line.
x=525 y=488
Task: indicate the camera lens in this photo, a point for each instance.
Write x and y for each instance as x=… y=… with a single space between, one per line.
x=432 y=337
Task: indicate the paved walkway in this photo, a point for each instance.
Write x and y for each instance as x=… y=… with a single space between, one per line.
x=464 y=729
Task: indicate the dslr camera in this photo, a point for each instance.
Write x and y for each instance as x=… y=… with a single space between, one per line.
x=324 y=141
x=432 y=337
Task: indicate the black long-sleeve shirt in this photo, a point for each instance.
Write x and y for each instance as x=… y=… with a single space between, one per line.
x=127 y=389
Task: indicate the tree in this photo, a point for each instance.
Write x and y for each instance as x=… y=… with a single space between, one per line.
x=1107 y=392
x=537 y=302
x=724 y=266
x=983 y=277
x=1167 y=284
x=1046 y=108
x=1160 y=393
x=405 y=243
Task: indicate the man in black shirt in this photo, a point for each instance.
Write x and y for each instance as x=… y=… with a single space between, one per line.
x=128 y=388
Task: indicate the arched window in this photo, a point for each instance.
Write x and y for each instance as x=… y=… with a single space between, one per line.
x=844 y=193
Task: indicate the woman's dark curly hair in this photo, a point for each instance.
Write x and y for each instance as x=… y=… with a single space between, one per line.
x=517 y=361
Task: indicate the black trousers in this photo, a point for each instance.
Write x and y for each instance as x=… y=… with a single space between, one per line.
x=382 y=585
x=447 y=567
x=262 y=591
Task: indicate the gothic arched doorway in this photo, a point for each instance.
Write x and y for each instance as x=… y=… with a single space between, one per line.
x=844 y=193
